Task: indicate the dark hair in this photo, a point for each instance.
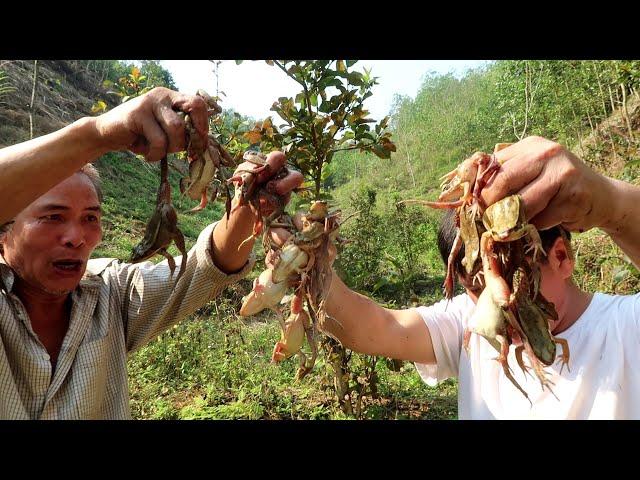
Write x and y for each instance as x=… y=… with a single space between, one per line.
x=448 y=230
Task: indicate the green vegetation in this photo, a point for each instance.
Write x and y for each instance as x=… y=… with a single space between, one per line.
x=216 y=364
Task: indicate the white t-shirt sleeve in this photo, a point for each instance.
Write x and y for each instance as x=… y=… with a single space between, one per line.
x=446 y=322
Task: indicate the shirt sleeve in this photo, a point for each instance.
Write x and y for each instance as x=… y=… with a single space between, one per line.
x=151 y=301
x=445 y=322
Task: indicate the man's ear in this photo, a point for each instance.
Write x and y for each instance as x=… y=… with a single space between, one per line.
x=560 y=258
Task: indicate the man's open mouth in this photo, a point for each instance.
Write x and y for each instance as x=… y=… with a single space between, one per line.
x=68 y=265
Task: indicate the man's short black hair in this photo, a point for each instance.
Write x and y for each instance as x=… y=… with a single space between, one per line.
x=447 y=235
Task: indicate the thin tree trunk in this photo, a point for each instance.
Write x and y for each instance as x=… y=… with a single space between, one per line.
x=33 y=97
x=613 y=105
x=336 y=355
x=625 y=111
x=602 y=96
x=590 y=122
x=413 y=179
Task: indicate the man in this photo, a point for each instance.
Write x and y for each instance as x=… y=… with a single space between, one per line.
x=603 y=331
x=68 y=323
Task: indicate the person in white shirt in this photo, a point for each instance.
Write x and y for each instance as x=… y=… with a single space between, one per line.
x=603 y=331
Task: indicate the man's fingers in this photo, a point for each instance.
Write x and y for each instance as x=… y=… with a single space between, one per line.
x=285 y=185
x=172 y=125
x=538 y=195
x=196 y=107
x=513 y=175
x=279 y=235
x=561 y=211
x=156 y=140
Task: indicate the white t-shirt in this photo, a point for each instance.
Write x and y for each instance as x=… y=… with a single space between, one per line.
x=604 y=381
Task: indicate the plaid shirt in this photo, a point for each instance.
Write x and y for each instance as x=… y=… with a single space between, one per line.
x=117 y=308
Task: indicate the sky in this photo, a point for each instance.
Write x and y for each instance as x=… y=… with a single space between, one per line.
x=253 y=86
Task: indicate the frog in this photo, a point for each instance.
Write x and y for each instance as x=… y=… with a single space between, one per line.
x=162 y=229
x=469 y=232
x=505 y=221
x=494 y=318
x=533 y=316
x=265 y=294
x=205 y=162
x=490 y=321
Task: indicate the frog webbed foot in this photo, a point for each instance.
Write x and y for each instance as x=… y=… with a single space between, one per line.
x=535 y=244
x=564 y=356
x=523 y=367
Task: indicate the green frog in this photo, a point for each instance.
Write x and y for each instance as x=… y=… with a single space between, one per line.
x=533 y=316
x=162 y=229
x=505 y=221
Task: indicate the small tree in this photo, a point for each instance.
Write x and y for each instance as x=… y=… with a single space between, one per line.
x=325 y=117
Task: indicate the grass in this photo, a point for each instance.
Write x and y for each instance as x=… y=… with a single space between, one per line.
x=215 y=364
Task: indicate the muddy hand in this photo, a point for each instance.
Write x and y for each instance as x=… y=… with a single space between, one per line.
x=151 y=124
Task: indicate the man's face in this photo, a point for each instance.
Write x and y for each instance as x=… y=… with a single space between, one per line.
x=52 y=239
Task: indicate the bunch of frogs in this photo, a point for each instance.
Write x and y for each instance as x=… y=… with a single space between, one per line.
x=302 y=263
x=206 y=157
x=501 y=254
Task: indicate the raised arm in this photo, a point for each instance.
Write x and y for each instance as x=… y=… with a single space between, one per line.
x=366 y=327
x=147 y=125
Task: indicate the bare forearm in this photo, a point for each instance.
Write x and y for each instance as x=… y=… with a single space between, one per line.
x=623 y=225
x=228 y=235
x=355 y=319
x=30 y=169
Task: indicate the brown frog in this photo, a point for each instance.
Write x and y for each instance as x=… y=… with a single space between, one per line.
x=206 y=160
x=162 y=229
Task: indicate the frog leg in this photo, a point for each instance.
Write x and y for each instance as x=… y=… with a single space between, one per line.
x=439 y=205
x=447 y=177
x=302 y=367
x=214 y=193
x=203 y=203
x=184 y=185
x=486 y=170
x=227 y=203
x=536 y=242
x=523 y=367
x=170 y=260
x=564 y=357
x=449 y=281
x=502 y=359
x=309 y=333
x=538 y=370
x=178 y=238
x=466 y=339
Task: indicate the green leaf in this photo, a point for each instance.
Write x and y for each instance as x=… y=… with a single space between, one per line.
x=620 y=275
x=351 y=63
x=314 y=100
x=238 y=62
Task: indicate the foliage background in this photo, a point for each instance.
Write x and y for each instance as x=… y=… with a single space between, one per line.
x=215 y=364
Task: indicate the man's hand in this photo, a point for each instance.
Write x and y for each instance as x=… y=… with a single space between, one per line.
x=281 y=187
x=232 y=233
x=557 y=188
x=149 y=125
x=555 y=185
